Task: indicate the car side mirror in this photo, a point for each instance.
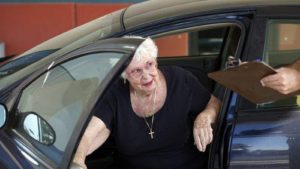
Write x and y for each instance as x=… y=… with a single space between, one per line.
x=38 y=129
x=2 y=115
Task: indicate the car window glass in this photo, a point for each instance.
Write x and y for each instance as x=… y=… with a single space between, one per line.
x=60 y=97
x=195 y=43
x=200 y=50
x=282 y=47
x=2 y=115
x=16 y=64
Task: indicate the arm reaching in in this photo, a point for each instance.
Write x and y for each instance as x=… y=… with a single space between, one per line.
x=203 y=132
x=285 y=81
x=94 y=136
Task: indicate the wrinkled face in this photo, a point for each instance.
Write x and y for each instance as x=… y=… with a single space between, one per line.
x=142 y=74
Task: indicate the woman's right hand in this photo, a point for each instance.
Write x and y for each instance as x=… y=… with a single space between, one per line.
x=202 y=131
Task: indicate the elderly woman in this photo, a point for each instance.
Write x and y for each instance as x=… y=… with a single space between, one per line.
x=159 y=116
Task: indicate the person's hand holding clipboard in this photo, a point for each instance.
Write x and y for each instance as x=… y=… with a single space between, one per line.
x=245 y=80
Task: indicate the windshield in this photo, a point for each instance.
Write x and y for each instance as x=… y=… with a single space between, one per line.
x=14 y=65
x=44 y=54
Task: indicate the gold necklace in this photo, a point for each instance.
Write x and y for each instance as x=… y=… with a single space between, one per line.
x=150 y=127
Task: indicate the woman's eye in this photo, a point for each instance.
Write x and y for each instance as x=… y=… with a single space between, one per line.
x=136 y=71
x=149 y=64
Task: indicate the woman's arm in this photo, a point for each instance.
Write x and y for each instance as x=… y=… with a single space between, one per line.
x=203 y=133
x=94 y=136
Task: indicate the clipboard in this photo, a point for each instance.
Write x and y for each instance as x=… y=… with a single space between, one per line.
x=245 y=80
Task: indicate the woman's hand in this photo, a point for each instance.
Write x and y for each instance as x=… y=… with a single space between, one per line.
x=203 y=132
x=94 y=136
x=78 y=161
x=285 y=81
x=78 y=165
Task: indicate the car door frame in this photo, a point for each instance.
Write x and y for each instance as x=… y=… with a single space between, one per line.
x=254 y=49
x=107 y=45
x=185 y=22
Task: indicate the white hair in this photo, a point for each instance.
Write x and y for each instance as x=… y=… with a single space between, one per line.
x=146 y=48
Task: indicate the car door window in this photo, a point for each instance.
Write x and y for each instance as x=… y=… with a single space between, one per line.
x=200 y=50
x=194 y=43
x=282 y=47
x=60 y=97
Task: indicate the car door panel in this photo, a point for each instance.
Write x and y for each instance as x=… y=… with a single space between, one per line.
x=266 y=135
x=266 y=139
x=65 y=83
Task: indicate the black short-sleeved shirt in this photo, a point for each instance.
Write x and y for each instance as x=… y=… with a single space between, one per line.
x=172 y=146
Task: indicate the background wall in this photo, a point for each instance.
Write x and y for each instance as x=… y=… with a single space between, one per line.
x=26 y=23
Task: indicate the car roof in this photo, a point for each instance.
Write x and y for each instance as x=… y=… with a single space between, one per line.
x=148 y=12
x=155 y=10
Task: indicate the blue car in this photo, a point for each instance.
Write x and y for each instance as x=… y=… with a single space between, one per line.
x=47 y=94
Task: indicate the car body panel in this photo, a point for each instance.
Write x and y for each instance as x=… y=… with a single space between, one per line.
x=246 y=136
x=169 y=9
x=267 y=138
x=263 y=138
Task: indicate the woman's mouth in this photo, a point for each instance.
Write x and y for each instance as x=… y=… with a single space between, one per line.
x=148 y=83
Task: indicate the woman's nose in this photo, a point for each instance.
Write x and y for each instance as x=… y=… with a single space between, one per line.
x=146 y=74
